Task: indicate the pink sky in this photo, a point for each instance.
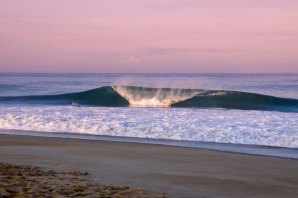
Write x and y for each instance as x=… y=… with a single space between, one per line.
x=149 y=36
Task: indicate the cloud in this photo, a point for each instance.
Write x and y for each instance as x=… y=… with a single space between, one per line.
x=180 y=50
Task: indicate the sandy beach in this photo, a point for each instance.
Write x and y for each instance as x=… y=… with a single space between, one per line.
x=175 y=171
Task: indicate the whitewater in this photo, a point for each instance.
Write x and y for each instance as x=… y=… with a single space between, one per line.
x=207 y=125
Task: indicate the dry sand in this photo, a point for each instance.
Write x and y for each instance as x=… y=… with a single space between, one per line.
x=176 y=171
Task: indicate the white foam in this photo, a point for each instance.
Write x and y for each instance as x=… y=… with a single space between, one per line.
x=207 y=125
x=159 y=98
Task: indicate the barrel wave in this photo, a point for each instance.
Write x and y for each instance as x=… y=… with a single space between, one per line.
x=130 y=96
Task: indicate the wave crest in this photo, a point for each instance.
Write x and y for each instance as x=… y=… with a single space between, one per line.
x=123 y=96
x=154 y=97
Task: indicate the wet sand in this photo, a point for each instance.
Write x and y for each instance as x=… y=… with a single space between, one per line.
x=175 y=171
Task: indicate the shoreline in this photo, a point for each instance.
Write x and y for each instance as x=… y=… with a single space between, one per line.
x=176 y=171
x=258 y=150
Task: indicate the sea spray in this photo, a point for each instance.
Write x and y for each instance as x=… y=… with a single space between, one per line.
x=187 y=124
x=154 y=97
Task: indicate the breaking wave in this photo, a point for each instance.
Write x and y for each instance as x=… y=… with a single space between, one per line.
x=124 y=96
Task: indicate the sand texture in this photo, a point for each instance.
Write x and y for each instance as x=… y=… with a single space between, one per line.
x=29 y=181
x=175 y=171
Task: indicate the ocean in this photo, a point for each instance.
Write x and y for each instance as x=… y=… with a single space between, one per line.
x=177 y=109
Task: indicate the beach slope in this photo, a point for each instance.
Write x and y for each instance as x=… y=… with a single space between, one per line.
x=175 y=171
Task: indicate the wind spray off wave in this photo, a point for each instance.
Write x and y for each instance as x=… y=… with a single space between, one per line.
x=154 y=97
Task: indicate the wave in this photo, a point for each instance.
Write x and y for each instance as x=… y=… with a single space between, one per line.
x=124 y=96
x=154 y=97
x=103 y=96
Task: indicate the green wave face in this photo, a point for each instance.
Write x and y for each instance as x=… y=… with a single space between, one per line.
x=103 y=96
x=241 y=100
x=124 y=96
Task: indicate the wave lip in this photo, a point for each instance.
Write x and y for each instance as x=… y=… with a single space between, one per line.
x=154 y=97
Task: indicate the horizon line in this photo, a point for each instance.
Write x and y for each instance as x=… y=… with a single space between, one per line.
x=148 y=72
